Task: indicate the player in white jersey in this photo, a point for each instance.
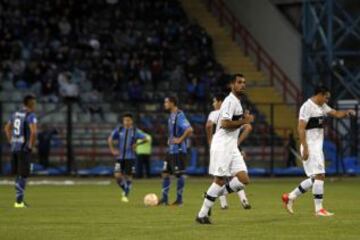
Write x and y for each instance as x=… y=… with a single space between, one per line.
x=210 y=130
x=311 y=133
x=225 y=157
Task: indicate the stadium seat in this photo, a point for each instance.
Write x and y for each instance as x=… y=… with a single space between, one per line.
x=193 y=168
x=292 y=171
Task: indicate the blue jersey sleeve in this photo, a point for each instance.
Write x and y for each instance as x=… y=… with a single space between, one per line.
x=32 y=118
x=115 y=134
x=183 y=123
x=139 y=135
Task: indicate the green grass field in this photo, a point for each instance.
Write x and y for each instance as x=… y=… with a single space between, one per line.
x=95 y=212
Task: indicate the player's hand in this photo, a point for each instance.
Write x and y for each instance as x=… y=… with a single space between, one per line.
x=248 y=118
x=115 y=152
x=350 y=113
x=134 y=146
x=305 y=153
x=176 y=141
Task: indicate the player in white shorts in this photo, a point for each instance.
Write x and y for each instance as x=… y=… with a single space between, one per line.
x=210 y=130
x=225 y=157
x=311 y=133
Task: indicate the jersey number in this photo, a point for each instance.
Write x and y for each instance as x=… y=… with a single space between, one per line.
x=17 y=123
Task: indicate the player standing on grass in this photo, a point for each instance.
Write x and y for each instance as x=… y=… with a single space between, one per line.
x=126 y=137
x=20 y=132
x=179 y=130
x=210 y=130
x=311 y=133
x=225 y=157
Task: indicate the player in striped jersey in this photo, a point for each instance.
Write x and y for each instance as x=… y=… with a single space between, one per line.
x=20 y=132
x=126 y=137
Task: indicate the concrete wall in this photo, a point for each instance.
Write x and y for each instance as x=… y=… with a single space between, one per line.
x=272 y=30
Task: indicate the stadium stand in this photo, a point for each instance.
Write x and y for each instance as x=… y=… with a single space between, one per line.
x=115 y=57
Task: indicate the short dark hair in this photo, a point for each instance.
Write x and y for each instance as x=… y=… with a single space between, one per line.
x=28 y=98
x=321 y=89
x=129 y=115
x=233 y=77
x=219 y=97
x=173 y=99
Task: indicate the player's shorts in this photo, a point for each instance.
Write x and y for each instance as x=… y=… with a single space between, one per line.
x=226 y=162
x=315 y=163
x=125 y=166
x=175 y=164
x=20 y=163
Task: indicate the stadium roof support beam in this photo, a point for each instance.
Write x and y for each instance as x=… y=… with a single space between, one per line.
x=330 y=34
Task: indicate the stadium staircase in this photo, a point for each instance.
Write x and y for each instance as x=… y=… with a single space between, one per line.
x=232 y=57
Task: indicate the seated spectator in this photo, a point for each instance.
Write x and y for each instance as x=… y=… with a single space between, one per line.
x=93 y=100
x=135 y=91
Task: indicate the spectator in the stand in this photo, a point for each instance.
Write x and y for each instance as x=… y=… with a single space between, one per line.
x=191 y=88
x=145 y=74
x=196 y=90
x=135 y=90
x=67 y=88
x=64 y=26
x=291 y=150
x=93 y=100
x=141 y=39
x=44 y=144
x=143 y=154
x=49 y=88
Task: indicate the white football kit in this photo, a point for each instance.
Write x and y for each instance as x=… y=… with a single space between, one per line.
x=225 y=157
x=314 y=116
x=214 y=116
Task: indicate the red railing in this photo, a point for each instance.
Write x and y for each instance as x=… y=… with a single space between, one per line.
x=251 y=46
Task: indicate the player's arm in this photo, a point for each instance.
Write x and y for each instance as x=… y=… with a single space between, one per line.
x=341 y=114
x=143 y=138
x=245 y=133
x=187 y=133
x=33 y=134
x=209 y=128
x=113 y=150
x=8 y=130
x=302 y=138
x=234 y=124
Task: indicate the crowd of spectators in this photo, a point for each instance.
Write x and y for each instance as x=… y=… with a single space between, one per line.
x=55 y=47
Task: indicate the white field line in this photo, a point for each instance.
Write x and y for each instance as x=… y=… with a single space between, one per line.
x=57 y=182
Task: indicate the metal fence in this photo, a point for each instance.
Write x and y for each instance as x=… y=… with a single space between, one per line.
x=79 y=137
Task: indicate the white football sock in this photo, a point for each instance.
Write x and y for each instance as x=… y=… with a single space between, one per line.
x=318 y=191
x=212 y=193
x=242 y=195
x=223 y=201
x=233 y=186
x=302 y=188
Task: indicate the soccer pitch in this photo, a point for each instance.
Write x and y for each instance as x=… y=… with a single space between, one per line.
x=96 y=212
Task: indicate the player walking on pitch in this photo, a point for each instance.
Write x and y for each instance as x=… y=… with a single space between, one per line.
x=311 y=133
x=225 y=157
x=210 y=130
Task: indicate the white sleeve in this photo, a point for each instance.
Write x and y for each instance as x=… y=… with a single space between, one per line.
x=304 y=113
x=211 y=117
x=326 y=109
x=227 y=110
